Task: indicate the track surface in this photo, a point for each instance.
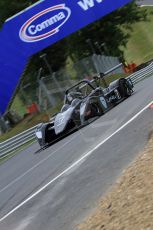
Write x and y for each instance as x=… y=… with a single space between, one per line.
x=73 y=186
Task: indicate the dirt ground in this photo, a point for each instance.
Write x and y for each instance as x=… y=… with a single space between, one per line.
x=129 y=204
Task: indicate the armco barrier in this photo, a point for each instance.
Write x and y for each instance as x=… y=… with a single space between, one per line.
x=17 y=141
x=141 y=74
x=21 y=139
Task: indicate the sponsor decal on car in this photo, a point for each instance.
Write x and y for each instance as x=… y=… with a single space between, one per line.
x=45 y=23
x=103 y=102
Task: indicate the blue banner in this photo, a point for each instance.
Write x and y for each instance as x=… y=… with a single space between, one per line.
x=39 y=27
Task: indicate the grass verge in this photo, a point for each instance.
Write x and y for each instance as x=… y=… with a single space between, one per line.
x=140 y=45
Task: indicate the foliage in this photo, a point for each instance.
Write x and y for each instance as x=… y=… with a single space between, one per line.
x=56 y=56
x=107 y=33
x=140 y=44
x=9 y=8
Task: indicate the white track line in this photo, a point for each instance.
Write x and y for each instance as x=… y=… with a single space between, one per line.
x=75 y=163
x=35 y=166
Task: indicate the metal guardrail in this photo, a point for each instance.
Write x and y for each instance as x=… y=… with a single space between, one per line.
x=141 y=74
x=17 y=141
x=14 y=143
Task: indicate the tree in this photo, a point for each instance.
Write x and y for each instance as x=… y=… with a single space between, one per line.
x=9 y=8
x=56 y=56
x=107 y=32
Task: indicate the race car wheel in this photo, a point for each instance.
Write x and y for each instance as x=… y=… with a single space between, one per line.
x=128 y=92
x=49 y=134
x=123 y=88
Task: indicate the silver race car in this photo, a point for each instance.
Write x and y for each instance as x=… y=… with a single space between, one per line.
x=83 y=102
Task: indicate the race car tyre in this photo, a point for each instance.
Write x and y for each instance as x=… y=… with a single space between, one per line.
x=128 y=92
x=123 y=88
x=49 y=134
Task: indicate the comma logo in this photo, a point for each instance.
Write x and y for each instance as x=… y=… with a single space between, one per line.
x=45 y=23
x=86 y=4
x=33 y=29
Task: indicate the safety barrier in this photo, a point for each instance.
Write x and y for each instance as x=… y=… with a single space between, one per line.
x=141 y=74
x=16 y=142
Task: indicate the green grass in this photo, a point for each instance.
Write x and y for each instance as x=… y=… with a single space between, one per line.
x=18 y=105
x=140 y=45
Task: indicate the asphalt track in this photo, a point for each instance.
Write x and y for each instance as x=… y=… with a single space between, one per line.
x=56 y=188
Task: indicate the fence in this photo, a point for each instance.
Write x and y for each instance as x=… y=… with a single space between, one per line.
x=50 y=86
x=21 y=139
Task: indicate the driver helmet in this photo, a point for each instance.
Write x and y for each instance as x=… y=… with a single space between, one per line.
x=70 y=97
x=74 y=95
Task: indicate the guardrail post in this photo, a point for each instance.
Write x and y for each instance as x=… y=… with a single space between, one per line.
x=3 y=125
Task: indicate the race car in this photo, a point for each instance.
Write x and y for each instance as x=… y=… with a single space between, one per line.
x=83 y=102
